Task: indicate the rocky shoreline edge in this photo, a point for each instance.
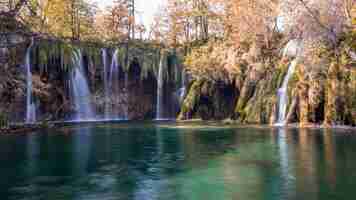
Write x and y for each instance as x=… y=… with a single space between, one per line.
x=21 y=128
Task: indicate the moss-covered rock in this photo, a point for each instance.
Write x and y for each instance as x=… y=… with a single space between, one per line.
x=191 y=100
x=208 y=100
x=334 y=108
x=351 y=100
x=4 y=121
x=260 y=108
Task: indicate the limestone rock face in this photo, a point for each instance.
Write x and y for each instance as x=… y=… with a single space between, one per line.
x=134 y=96
x=340 y=106
x=12 y=85
x=314 y=97
x=136 y=102
x=325 y=94
x=208 y=100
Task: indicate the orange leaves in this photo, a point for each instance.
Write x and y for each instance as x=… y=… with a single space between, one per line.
x=252 y=18
x=120 y=20
x=184 y=21
x=214 y=61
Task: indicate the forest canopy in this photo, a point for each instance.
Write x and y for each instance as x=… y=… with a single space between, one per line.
x=182 y=21
x=239 y=24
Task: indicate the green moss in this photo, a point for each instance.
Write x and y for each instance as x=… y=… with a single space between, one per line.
x=4 y=121
x=93 y=53
x=352 y=97
x=332 y=89
x=274 y=85
x=191 y=100
x=53 y=54
x=246 y=93
x=291 y=90
x=281 y=72
x=259 y=108
x=58 y=54
x=149 y=63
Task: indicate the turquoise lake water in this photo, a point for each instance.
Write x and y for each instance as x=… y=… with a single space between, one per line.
x=188 y=161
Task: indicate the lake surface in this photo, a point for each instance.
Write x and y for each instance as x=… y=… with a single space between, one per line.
x=197 y=161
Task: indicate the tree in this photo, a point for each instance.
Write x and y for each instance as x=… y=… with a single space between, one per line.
x=158 y=28
x=121 y=19
x=252 y=20
x=60 y=18
x=12 y=7
x=317 y=20
x=132 y=18
x=184 y=21
x=141 y=29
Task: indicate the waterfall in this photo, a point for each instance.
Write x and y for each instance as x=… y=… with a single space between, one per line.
x=159 y=107
x=127 y=92
x=112 y=86
x=292 y=49
x=106 y=83
x=114 y=70
x=283 y=94
x=80 y=89
x=182 y=90
x=30 y=104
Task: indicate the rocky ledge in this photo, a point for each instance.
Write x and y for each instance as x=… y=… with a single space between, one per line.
x=20 y=128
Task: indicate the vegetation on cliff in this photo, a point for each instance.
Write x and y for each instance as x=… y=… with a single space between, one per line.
x=237 y=54
x=252 y=55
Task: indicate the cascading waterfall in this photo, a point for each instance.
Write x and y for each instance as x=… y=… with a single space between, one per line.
x=106 y=83
x=291 y=50
x=30 y=104
x=114 y=70
x=127 y=92
x=80 y=89
x=159 y=107
x=283 y=94
x=182 y=90
x=114 y=85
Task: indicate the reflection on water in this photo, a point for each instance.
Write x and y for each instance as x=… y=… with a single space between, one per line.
x=329 y=157
x=286 y=165
x=32 y=151
x=177 y=161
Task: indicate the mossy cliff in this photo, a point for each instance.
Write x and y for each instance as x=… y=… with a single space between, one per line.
x=250 y=100
x=51 y=65
x=320 y=91
x=208 y=100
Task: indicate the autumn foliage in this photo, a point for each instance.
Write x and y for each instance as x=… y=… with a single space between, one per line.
x=264 y=27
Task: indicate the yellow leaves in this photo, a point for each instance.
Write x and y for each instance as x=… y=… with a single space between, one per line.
x=55 y=13
x=215 y=61
x=61 y=18
x=184 y=21
x=353 y=14
x=249 y=19
x=120 y=20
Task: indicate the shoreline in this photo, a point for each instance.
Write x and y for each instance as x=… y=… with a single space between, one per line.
x=20 y=128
